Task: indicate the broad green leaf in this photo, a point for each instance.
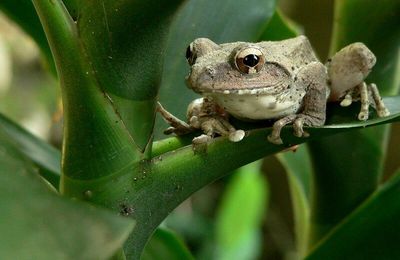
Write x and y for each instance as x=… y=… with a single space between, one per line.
x=45 y=157
x=166 y=245
x=170 y=178
x=239 y=218
x=128 y=62
x=299 y=170
x=221 y=21
x=348 y=167
x=279 y=28
x=92 y=129
x=36 y=223
x=371 y=231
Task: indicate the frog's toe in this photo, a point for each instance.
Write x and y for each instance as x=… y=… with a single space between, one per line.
x=275 y=139
x=169 y=130
x=275 y=136
x=298 y=128
x=236 y=136
x=363 y=116
x=383 y=112
x=202 y=139
x=346 y=102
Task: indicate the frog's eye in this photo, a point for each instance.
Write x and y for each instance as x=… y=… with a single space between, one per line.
x=249 y=60
x=190 y=54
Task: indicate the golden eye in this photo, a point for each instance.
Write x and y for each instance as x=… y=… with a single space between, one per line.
x=249 y=60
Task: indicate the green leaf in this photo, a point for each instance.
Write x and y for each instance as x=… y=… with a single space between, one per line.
x=36 y=223
x=221 y=21
x=170 y=178
x=109 y=104
x=239 y=218
x=166 y=245
x=92 y=129
x=382 y=37
x=128 y=62
x=299 y=170
x=371 y=231
x=45 y=157
x=279 y=28
x=348 y=167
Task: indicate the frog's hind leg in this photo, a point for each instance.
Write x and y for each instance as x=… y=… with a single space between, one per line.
x=347 y=71
x=380 y=107
x=348 y=68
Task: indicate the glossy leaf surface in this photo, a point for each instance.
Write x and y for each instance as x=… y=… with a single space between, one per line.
x=240 y=215
x=45 y=157
x=34 y=218
x=164 y=244
x=370 y=232
x=299 y=170
x=346 y=177
x=170 y=178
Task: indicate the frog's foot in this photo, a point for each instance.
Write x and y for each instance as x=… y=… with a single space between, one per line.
x=348 y=99
x=368 y=95
x=275 y=136
x=201 y=139
x=220 y=126
x=298 y=121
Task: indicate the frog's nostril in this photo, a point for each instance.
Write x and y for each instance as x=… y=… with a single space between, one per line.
x=190 y=54
x=251 y=60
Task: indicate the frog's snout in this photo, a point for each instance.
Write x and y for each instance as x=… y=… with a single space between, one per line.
x=198 y=48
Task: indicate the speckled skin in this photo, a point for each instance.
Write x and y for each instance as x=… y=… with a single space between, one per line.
x=277 y=90
x=288 y=83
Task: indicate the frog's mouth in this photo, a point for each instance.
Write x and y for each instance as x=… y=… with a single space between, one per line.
x=273 y=89
x=223 y=79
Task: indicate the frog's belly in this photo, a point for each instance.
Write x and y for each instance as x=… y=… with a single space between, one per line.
x=258 y=107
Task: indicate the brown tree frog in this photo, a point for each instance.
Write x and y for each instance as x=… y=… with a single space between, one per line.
x=281 y=80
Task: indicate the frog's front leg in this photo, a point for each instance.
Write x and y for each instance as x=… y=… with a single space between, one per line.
x=313 y=78
x=177 y=126
x=206 y=115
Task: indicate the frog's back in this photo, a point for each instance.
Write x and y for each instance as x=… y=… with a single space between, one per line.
x=293 y=53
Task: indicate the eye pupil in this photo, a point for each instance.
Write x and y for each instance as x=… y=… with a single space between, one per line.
x=251 y=60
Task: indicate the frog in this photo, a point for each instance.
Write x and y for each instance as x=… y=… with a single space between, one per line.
x=282 y=81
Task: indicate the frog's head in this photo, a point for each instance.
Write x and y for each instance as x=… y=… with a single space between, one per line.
x=237 y=67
